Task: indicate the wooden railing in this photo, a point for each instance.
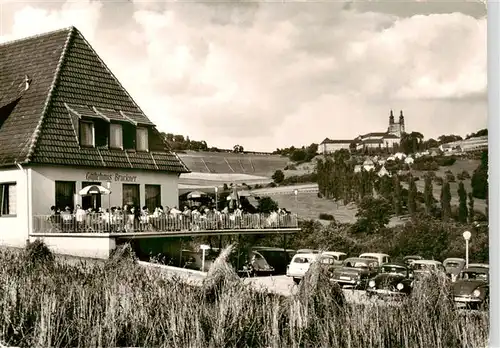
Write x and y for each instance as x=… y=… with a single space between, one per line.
x=96 y=223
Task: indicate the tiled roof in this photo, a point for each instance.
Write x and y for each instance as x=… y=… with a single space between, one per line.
x=336 y=141
x=68 y=81
x=372 y=141
x=374 y=134
x=391 y=136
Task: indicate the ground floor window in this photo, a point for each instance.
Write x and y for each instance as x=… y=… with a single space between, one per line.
x=65 y=194
x=153 y=197
x=131 y=195
x=93 y=201
x=8 y=199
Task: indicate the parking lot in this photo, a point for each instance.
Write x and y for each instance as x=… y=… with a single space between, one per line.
x=284 y=285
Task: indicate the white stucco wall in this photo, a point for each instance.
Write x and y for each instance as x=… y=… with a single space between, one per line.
x=97 y=246
x=43 y=182
x=330 y=148
x=14 y=229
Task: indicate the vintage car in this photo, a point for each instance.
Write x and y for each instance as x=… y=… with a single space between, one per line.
x=408 y=260
x=337 y=255
x=355 y=272
x=472 y=287
x=425 y=267
x=194 y=260
x=393 y=279
x=453 y=267
x=278 y=258
x=479 y=265
x=301 y=262
x=379 y=257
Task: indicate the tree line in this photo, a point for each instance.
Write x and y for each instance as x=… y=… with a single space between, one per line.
x=379 y=198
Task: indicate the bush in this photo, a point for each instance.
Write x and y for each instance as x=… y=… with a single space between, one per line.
x=328 y=217
x=290 y=167
x=449 y=176
x=464 y=175
x=425 y=164
x=446 y=161
x=267 y=205
x=278 y=176
x=38 y=254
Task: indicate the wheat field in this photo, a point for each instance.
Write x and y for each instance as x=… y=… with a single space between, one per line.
x=47 y=303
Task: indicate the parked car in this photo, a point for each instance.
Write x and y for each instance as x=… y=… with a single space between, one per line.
x=425 y=267
x=393 y=279
x=355 y=272
x=253 y=263
x=453 y=267
x=301 y=262
x=381 y=258
x=307 y=251
x=472 y=287
x=278 y=258
x=194 y=260
x=479 y=265
x=337 y=255
x=408 y=260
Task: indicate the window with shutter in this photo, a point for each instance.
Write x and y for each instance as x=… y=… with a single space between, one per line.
x=142 y=139
x=86 y=133
x=115 y=136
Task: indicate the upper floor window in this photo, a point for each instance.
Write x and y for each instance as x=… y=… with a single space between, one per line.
x=142 y=139
x=115 y=136
x=87 y=133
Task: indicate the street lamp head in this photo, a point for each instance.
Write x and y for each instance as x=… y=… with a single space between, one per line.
x=216 y=189
x=295 y=192
x=108 y=184
x=466 y=235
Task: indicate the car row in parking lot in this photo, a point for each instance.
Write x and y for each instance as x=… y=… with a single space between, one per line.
x=379 y=276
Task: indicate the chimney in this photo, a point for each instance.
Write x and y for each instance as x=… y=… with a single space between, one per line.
x=27 y=82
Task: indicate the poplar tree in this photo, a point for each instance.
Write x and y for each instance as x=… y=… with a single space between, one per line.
x=471 y=207
x=428 y=194
x=462 y=206
x=412 y=196
x=396 y=197
x=445 y=201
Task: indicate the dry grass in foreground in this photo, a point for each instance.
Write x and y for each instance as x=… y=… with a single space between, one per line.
x=45 y=303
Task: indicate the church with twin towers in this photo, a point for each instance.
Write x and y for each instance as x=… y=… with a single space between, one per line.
x=388 y=139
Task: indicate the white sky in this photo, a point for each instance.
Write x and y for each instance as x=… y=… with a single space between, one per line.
x=268 y=75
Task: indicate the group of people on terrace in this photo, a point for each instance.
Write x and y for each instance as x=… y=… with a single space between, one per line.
x=131 y=218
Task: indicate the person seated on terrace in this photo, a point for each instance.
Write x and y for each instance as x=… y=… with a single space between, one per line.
x=106 y=217
x=66 y=214
x=174 y=212
x=54 y=210
x=79 y=214
x=145 y=215
x=187 y=212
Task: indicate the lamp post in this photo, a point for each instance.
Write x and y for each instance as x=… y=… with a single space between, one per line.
x=108 y=186
x=203 y=247
x=466 y=236
x=216 y=197
x=296 y=193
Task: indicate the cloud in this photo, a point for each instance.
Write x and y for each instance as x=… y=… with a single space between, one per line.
x=273 y=75
x=32 y=19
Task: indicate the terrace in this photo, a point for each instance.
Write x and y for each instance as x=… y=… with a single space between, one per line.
x=126 y=226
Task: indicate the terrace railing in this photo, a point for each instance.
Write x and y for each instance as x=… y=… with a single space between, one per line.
x=100 y=223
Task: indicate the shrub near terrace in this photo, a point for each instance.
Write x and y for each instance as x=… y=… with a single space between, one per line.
x=122 y=304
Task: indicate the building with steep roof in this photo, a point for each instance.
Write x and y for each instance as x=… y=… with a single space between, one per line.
x=66 y=122
x=374 y=140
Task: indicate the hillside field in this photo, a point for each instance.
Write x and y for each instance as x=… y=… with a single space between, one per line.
x=236 y=163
